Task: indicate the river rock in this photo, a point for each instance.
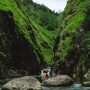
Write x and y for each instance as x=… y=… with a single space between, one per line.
x=87 y=75
x=60 y=80
x=86 y=83
x=23 y=83
x=12 y=73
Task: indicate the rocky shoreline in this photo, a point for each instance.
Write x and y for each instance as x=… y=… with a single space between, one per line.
x=31 y=83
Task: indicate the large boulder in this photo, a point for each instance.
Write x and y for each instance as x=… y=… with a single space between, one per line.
x=23 y=83
x=60 y=80
x=87 y=75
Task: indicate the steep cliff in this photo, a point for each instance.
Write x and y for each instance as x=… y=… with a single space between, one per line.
x=72 y=45
x=24 y=45
x=41 y=15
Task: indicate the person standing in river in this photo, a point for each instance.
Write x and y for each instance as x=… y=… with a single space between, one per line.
x=46 y=76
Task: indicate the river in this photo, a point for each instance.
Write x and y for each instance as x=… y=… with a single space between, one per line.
x=66 y=88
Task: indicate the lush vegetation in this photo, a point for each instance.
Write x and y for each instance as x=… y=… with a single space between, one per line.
x=41 y=15
x=72 y=49
x=28 y=32
x=46 y=22
x=26 y=39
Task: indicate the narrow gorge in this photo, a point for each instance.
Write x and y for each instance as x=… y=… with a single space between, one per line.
x=33 y=37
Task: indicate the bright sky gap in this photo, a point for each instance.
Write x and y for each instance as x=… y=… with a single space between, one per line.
x=57 y=5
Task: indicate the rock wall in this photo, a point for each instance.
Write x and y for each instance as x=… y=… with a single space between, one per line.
x=71 y=49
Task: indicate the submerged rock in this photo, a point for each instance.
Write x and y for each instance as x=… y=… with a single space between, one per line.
x=87 y=75
x=86 y=83
x=23 y=83
x=60 y=80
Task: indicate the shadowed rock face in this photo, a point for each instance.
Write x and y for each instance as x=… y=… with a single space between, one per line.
x=25 y=45
x=12 y=42
x=6 y=24
x=23 y=83
x=15 y=50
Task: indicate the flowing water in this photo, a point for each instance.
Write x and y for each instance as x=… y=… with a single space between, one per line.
x=73 y=87
x=66 y=88
x=0 y=87
x=63 y=88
